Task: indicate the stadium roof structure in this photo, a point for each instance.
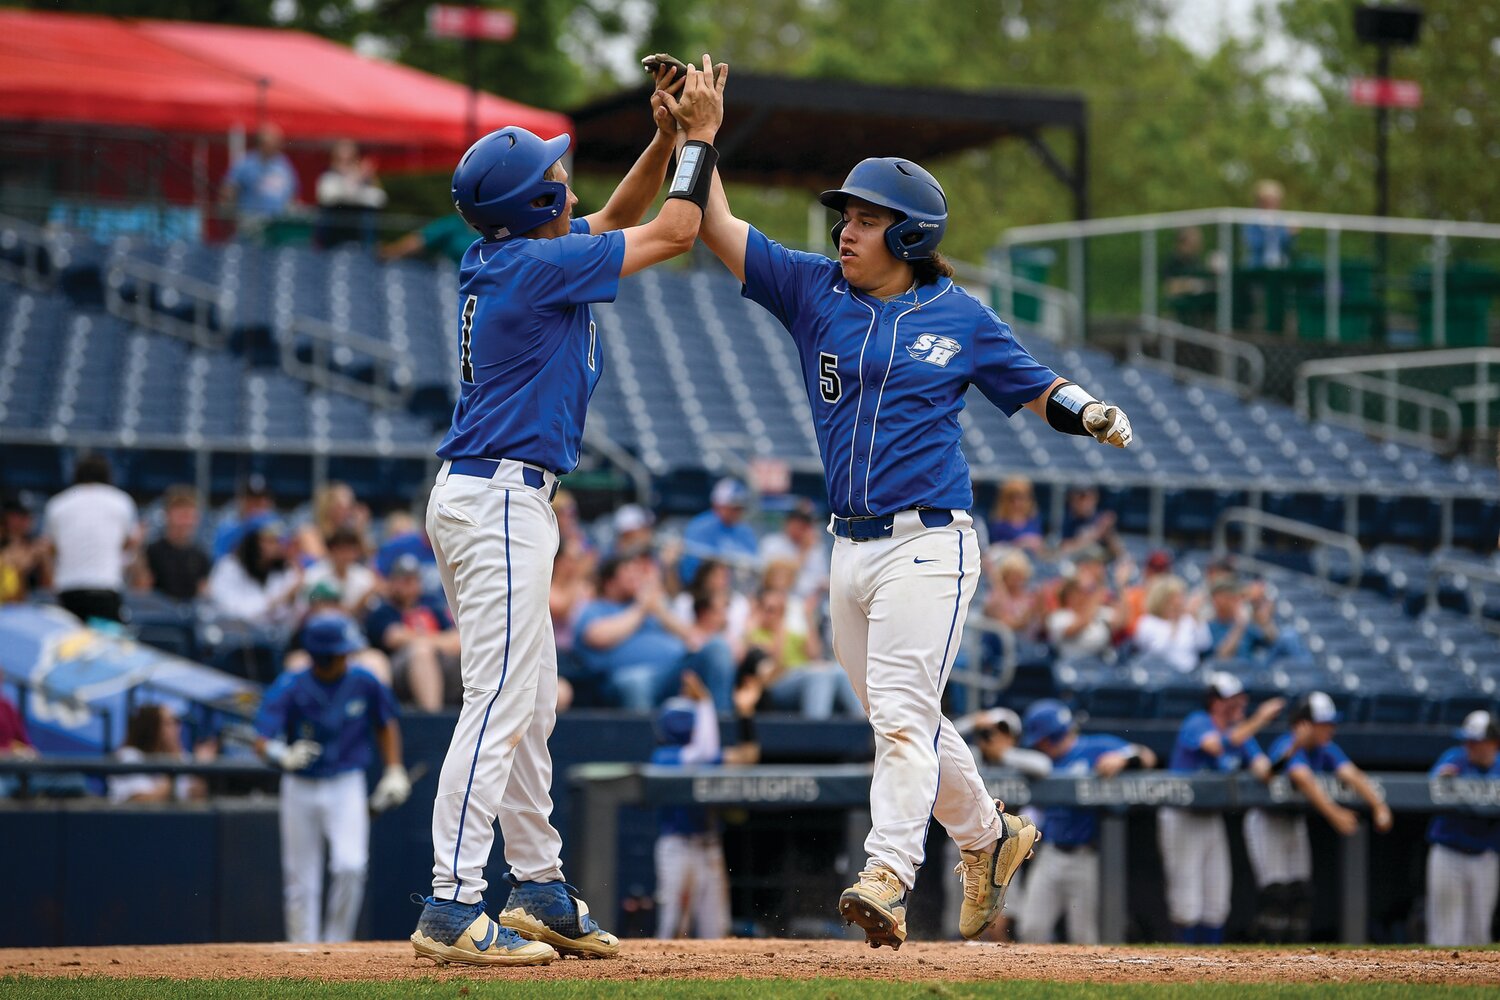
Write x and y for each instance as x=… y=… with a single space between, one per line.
x=183 y=77
x=800 y=132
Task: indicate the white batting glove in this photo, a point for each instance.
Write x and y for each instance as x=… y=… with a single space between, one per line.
x=393 y=789
x=295 y=757
x=1108 y=423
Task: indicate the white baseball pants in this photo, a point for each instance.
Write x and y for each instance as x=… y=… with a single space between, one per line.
x=898 y=606
x=1461 y=891
x=1195 y=861
x=1279 y=848
x=1061 y=883
x=495 y=540
x=691 y=880
x=315 y=811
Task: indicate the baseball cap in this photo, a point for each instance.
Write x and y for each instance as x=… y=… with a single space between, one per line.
x=1224 y=587
x=675 y=721
x=255 y=485
x=1091 y=553
x=331 y=634
x=729 y=492
x=1159 y=561
x=632 y=517
x=1222 y=684
x=1317 y=707
x=406 y=565
x=1478 y=726
x=803 y=508
x=1046 y=719
x=324 y=590
x=999 y=718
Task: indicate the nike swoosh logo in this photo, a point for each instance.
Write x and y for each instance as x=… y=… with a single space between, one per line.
x=489 y=937
x=920 y=561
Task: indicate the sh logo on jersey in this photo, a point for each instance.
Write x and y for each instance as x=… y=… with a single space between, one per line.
x=934 y=350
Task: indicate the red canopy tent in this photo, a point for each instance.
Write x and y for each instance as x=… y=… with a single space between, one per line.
x=186 y=79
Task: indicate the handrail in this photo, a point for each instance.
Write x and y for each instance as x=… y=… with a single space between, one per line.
x=1062 y=321
x=1257 y=519
x=34 y=243
x=1121 y=225
x=1441 y=566
x=336 y=345
x=203 y=297
x=1394 y=393
x=1228 y=350
x=640 y=477
x=971 y=677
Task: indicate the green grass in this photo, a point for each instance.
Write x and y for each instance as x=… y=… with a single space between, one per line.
x=698 y=989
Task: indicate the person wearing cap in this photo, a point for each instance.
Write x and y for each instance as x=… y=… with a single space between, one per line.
x=719 y=532
x=996 y=734
x=404 y=537
x=1195 y=845
x=632 y=525
x=1463 y=866
x=692 y=879
x=256 y=583
x=801 y=541
x=1277 y=842
x=1064 y=880
x=415 y=630
x=319 y=727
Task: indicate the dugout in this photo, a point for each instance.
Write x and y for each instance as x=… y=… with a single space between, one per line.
x=776 y=129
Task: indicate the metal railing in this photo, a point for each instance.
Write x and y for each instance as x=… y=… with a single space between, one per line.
x=1378 y=375
x=151 y=288
x=34 y=248
x=1239 y=368
x=1223 y=220
x=1060 y=315
x=1468 y=577
x=1256 y=521
x=334 y=350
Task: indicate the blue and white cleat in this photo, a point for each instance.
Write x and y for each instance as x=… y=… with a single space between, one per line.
x=552 y=913
x=450 y=931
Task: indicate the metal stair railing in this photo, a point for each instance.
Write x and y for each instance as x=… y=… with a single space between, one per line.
x=1257 y=521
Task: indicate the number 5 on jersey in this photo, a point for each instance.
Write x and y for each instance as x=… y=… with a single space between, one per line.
x=830 y=386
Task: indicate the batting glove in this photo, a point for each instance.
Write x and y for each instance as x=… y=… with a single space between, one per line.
x=295 y=757
x=393 y=789
x=1108 y=423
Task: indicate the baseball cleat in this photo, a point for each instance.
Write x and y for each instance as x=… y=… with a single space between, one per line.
x=877 y=903
x=552 y=913
x=987 y=873
x=450 y=931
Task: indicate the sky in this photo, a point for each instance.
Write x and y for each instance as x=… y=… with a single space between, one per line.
x=1202 y=25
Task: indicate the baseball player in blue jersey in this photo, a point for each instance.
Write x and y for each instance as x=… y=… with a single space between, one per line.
x=529 y=359
x=1277 y=842
x=318 y=726
x=1463 y=861
x=1195 y=845
x=889 y=348
x=1064 y=880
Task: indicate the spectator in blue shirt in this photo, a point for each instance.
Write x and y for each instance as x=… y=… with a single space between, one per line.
x=252 y=507
x=1244 y=625
x=262 y=185
x=1195 y=845
x=416 y=631
x=1085 y=524
x=1064 y=880
x=1278 y=844
x=629 y=636
x=1268 y=245
x=1463 y=867
x=719 y=532
x=1014 y=519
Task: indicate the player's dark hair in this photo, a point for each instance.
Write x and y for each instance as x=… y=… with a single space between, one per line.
x=926 y=272
x=143 y=731
x=92 y=468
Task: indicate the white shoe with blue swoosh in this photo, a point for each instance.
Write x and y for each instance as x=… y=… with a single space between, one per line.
x=450 y=931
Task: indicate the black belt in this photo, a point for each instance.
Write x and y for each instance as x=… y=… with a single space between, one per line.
x=864 y=529
x=1069 y=848
x=484 y=468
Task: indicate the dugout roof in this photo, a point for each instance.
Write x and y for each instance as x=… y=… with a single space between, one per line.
x=205 y=79
x=807 y=133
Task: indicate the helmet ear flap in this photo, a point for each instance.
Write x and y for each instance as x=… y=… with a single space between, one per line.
x=838 y=231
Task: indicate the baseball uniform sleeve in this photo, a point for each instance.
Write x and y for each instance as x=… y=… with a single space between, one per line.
x=1251 y=750
x=583 y=269
x=1451 y=758
x=270 y=721
x=1194 y=729
x=1335 y=757
x=778 y=279
x=1008 y=376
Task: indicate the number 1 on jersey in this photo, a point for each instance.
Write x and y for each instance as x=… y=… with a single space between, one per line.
x=465 y=343
x=830 y=386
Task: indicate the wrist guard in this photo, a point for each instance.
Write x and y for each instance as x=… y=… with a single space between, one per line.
x=694 y=176
x=1065 y=408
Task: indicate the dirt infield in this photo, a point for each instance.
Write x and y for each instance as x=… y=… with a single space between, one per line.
x=772 y=959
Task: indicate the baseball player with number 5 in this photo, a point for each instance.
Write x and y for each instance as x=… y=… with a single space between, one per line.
x=529 y=361
x=889 y=348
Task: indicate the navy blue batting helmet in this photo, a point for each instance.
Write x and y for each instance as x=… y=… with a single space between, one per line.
x=331 y=634
x=501 y=175
x=903 y=187
x=1046 y=719
x=675 y=721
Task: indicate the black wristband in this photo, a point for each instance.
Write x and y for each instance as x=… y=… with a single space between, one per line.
x=694 y=176
x=747 y=729
x=1065 y=408
x=1134 y=762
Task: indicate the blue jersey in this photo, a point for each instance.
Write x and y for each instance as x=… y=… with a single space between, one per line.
x=686 y=821
x=1469 y=834
x=340 y=717
x=1325 y=759
x=707 y=534
x=529 y=355
x=887 y=380
x=1188 y=754
x=1076 y=827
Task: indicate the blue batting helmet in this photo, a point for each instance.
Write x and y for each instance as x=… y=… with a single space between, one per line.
x=1046 y=720
x=675 y=721
x=331 y=634
x=903 y=187
x=501 y=175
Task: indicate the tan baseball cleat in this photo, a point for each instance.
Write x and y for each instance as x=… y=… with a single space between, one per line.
x=877 y=903
x=987 y=873
x=449 y=931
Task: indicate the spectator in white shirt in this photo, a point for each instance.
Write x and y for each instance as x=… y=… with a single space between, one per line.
x=93 y=529
x=1170 y=627
x=343 y=567
x=155 y=731
x=255 y=583
x=1080 y=627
